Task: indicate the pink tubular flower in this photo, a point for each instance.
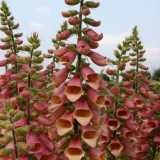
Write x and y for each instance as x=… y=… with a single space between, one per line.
x=93 y=44
x=91 y=78
x=46 y=141
x=122 y=113
x=21 y=86
x=60 y=52
x=64 y=35
x=97 y=154
x=98 y=59
x=132 y=124
x=58 y=97
x=5 y=93
x=89 y=135
x=68 y=58
x=149 y=126
x=95 y=99
x=74 y=90
x=83 y=47
x=65 y=123
x=57 y=113
x=21 y=122
x=127 y=133
x=34 y=145
x=97 y=119
x=115 y=147
x=130 y=104
x=60 y=76
x=40 y=106
x=44 y=120
x=157 y=140
x=74 y=150
x=82 y=112
x=94 y=36
x=113 y=124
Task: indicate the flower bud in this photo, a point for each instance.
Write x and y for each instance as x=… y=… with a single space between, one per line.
x=73 y=20
x=3 y=63
x=69 y=13
x=4 y=47
x=72 y=2
x=85 y=11
x=91 y=22
x=91 y=4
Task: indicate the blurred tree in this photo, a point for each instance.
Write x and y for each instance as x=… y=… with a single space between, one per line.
x=156 y=74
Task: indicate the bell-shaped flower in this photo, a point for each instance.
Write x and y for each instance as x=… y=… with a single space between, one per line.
x=82 y=112
x=21 y=86
x=93 y=44
x=132 y=124
x=115 y=147
x=97 y=119
x=94 y=36
x=65 y=123
x=74 y=150
x=34 y=145
x=57 y=112
x=61 y=51
x=97 y=154
x=127 y=133
x=74 y=91
x=123 y=113
x=40 y=106
x=60 y=76
x=52 y=133
x=68 y=58
x=130 y=104
x=89 y=135
x=48 y=143
x=96 y=99
x=91 y=78
x=59 y=97
x=113 y=124
x=64 y=35
x=83 y=47
x=98 y=59
x=44 y=120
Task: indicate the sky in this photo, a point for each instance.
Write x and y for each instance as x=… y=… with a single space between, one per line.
x=118 y=18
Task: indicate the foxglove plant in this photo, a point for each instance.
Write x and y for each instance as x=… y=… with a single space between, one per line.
x=134 y=118
x=71 y=113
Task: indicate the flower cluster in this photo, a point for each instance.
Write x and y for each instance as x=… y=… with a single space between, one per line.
x=72 y=113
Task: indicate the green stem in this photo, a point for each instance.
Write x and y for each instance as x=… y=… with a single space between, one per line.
x=78 y=67
x=14 y=140
x=13 y=43
x=29 y=87
x=137 y=69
